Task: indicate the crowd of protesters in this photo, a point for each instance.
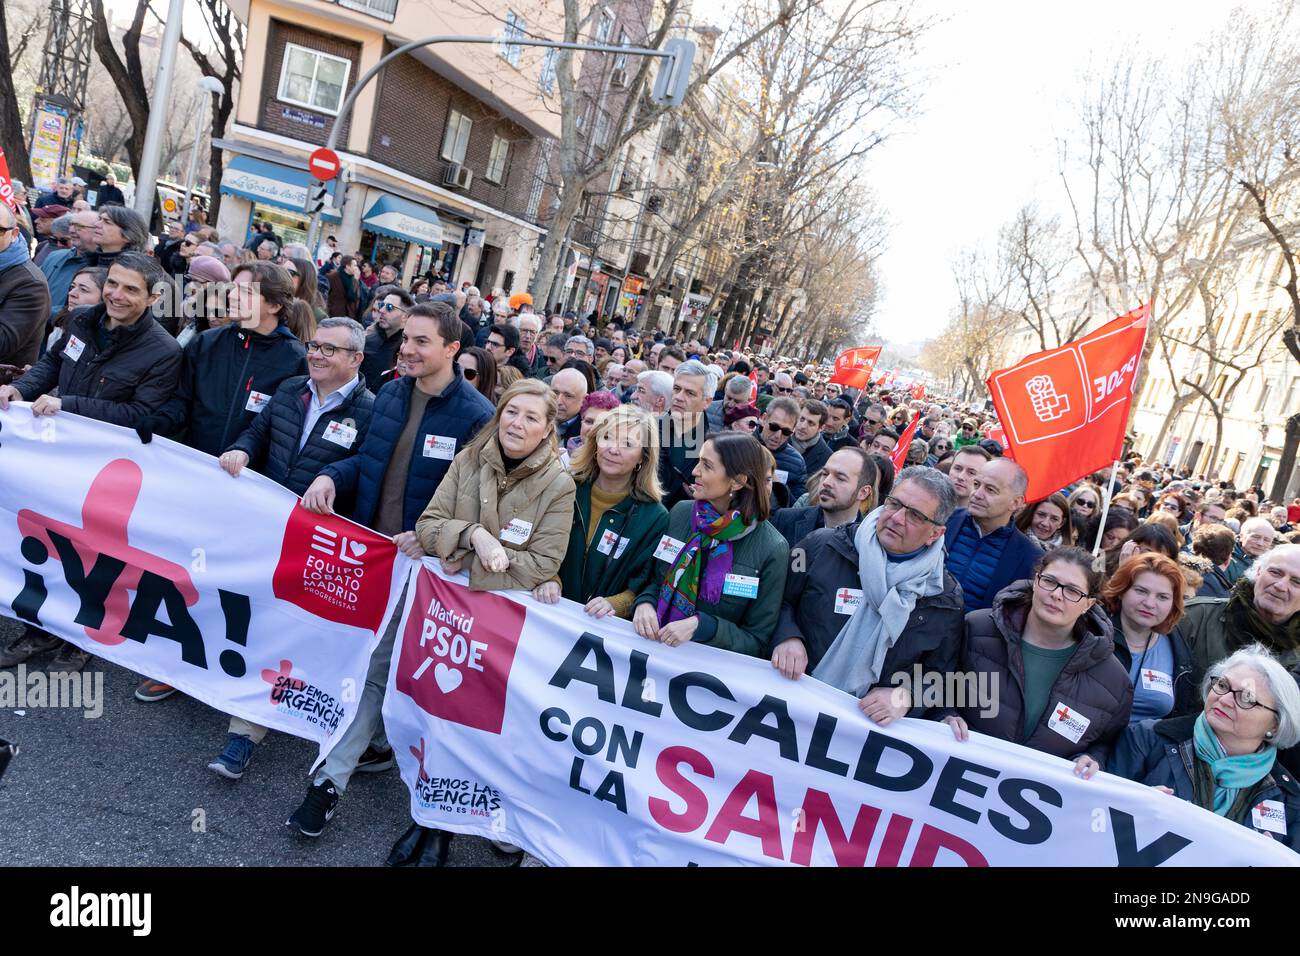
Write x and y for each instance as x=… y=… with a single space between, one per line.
x=704 y=494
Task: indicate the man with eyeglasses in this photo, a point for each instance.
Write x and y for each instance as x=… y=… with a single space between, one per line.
x=503 y=346
x=312 y=421
x=868 y=605
x=24 y=296
x=782 y=386
x=986 y=551
x=61 y=265
x=390 y=306
x=968 y=434
x=530 y=350
x=775 y=430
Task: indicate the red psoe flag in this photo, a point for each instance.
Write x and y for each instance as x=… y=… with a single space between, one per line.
x=1065 y=410
x=6 y=187
x=918 y=391
x=853 y=368
x=899 y=455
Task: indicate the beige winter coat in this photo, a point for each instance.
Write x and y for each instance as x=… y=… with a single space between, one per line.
x=533 y=506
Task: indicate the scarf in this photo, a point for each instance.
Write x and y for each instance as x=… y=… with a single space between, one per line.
x=1247 y=626
x=16 y=254
x=803 y=446
x=890 y=590
x=682 y=588
x=1231 y=774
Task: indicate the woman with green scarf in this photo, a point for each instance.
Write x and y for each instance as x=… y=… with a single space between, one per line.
x=720 y=569
x=1224 y=759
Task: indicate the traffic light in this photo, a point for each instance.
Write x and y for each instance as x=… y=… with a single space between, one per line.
x=674 y=73
x=317 y=193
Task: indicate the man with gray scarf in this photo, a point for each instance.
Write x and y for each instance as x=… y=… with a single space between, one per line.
x=868 y=606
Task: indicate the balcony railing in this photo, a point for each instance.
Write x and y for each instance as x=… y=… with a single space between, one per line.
x=384 y=9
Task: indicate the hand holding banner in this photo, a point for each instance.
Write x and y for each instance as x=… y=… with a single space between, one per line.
x=1065 y=410
x=586 y=745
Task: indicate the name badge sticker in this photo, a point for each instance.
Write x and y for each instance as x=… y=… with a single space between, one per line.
x=1269 y=815
x=848 y=600
x=340 y=434
x=607 y=542
x=669 y=548
x=740 y=585
x=438 y=446
x=517 y=531
x=1157 y=681
x=780 y=477
x=256 y=401
x=74 y=348
x=1070 y=724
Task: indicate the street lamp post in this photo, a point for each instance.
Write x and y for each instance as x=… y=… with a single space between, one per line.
x=208 y=86
x=146 y=183
x=669 y=89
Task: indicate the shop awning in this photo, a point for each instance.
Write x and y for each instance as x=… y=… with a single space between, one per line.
x=273 y=184
x=403 y=219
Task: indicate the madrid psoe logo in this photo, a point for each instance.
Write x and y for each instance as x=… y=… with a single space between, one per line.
x=458 y=647
x=1047 y=404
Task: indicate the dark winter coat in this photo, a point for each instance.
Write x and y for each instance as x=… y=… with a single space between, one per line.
x=380 y=357
x=131 y=378
x=735 y=623
x=985 y=565
x=816 y=455
x=223 y=367
x=589 y=572
x=826 y=561
x=459 y=412
x=1162 y=753
x=271 y=442
x=1092 y=683
x=795 y=524
x=24 y=310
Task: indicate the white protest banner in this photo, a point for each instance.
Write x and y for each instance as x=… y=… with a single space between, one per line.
x=588 y=745
x=154 y=558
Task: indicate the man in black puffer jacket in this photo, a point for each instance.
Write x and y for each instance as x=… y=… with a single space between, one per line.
x=114 y=363
x=313 y=420
x=231 y=373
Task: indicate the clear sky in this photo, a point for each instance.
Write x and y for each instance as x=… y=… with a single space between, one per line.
x=1004 y=77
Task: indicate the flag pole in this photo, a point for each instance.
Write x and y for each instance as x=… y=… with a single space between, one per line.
x=1105 y=510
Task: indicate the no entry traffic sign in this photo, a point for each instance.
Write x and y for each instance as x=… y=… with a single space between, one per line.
x=323 y=164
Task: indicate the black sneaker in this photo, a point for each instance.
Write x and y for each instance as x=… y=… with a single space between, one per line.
x=317 y=809
x=29 y=643
x=69 y=660
x=375 y=761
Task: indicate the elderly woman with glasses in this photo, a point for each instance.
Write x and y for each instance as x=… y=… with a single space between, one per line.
x=1225 y=758
x=1050 y=651
x=1085 y=505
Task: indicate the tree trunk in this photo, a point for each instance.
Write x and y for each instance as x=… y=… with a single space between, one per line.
x=128 y=77
x=544 y=278
x=1180 y=403
x=12 y=140
x=1286 y=465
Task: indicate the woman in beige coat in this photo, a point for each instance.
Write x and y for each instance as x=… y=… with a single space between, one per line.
x=505 y=507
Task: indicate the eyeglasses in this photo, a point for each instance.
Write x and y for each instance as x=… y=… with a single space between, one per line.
x=1085 y=503
x=774 y=427
x=1171 y=505
x=388 y=307
x=780 y=389
x=912 y=516
x=1245 y=698
x=189 y=244
x=875 y=421
x=576 y=353
x=1068 y=591
x=469 y=373
x=326 y=349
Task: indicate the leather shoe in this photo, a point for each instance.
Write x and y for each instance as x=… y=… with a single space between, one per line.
x=420 y=846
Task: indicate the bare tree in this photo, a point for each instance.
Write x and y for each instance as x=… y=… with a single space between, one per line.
x=28 y=31
x=127 y=73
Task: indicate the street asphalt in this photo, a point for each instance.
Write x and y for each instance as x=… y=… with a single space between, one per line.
x=131 y=788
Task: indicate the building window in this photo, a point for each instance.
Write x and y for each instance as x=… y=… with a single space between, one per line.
x=604 y=26
x=513 y=32
x=546 y=80
x=584 y=116
x=455 y=139
x=496 y=170
x=385 y=9
x=620 y=61
x=601 y=136
x=313 y=79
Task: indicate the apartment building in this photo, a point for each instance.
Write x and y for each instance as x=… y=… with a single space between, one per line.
x=441 y=149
